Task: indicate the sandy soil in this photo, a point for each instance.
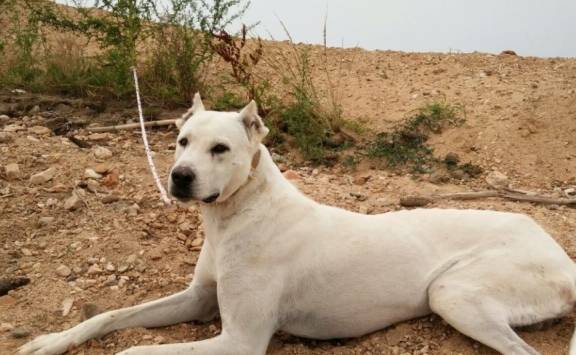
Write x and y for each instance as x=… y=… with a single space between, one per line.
x=123 y=247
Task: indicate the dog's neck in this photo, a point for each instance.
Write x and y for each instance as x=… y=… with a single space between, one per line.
x=264 y=184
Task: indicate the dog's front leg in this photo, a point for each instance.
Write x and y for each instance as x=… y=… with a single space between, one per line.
x=198 y=302
x=249 y=309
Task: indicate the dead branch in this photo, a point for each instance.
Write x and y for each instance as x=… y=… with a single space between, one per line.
x=508 y=194
x=132 y=125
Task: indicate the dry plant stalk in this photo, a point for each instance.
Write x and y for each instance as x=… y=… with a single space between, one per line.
x=233 y=50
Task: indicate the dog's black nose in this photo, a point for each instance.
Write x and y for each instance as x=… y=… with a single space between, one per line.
x=182 y=176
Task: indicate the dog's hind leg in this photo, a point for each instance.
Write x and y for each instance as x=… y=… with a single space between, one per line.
x=484 y=301
x=198 y=302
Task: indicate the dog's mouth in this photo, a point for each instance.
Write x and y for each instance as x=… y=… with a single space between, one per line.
x=211 y=198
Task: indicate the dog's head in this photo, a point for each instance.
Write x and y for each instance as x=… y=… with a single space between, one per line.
x=215 y=152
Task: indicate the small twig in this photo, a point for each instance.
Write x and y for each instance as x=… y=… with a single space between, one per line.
x=131 y=125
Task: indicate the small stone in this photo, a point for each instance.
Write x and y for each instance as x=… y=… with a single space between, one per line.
x=414 y=201
x=67 y=306
x=291 y=175
x=34 y=110
x=94 y=269
x=452 y=159
x=458 y=174
x=14 y=128
x=91 y=174
x=197 y=242
x=103 y=168
x=110 y=199
x=20 y=332
x=12 y=171
x=186 y=228
x=497 y=180
x=26 y=252
x=359 y=196
x=508 y=52
x=63 y=271
x=45 y=221
x=156 y=254
x=111 y=280
x=361 y=179
x=110 y=267
x=131 y=259
x=92 y=186
x=89 y=310
x=6 y=327
x=570 y=192
x=438 y=177
x=133 y=210
x=40 y=130
x=102 y=153
x=73 y=203
x=43 y=176
x=6 y=137
x=4 y=119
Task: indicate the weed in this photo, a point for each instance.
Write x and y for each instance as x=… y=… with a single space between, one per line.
x=228 y=101
x=407 y=143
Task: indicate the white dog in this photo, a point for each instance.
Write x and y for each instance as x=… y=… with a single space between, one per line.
x=275 y=260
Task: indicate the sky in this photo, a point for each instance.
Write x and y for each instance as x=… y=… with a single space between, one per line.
x=544 y=28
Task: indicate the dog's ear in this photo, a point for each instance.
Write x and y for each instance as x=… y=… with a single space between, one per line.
x=252 y=122
x=197 y=106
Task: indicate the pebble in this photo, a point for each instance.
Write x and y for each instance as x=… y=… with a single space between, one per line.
x=102 y=153
x=361 y=179
x=4 y=119
x=133 y=210
x=12 y=171
x=414 y=201
x=20 y=332
x=497 y=180
x=43 y=176
x=103 y=168
x=14 y=128
x=67 y=306
x=291 y=175
x=197 y=242
x=6 y=327
x=72 y=203
x=110 y=199
x=63 y=271
x=91 y=174
x=110 y=267
x=45 y=221
x=26 y=252
x=452 y=159
x=6 y=137
x=40 y=130
x=94 y=269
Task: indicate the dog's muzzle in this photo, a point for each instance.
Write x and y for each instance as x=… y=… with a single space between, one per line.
x=182 y=178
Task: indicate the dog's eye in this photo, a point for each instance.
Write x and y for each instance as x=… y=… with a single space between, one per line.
x=219 y=149
x=183 y=141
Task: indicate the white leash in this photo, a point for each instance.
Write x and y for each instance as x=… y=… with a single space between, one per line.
x=163 y=193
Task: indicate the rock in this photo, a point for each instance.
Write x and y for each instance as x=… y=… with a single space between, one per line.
x=156 y=254
x=110 y=199
x=438 y=177
x=99 y=137
x=34 y=110
x=101 y=153
x=508 y=52
x=133 y=210
x=89 y=310
x=20 y=332
x=40 y=130
x=73 y=203
x=103 y=168
x=6 y=327
x=43 y=177
x=92 y=186
x=497 y=180
x=110 y=267
x=414 y=201
x=67 y=306
x=26 y=252
x=6 y=137
x=186 y=228
x=12 y=283
x=291 y=175
x=570 y=192
x=45 y=221
x=361 y=179
x=94 y=269
x=131 y=259
x=458 y=174
x=91 y=174
x=12 y=171
x=63 y=271
x=359 y=196
x=4 y=119
x=197 y=242
x=14 y=128
x=452 y=159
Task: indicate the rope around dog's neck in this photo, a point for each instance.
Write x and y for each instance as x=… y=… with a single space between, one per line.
x=163 y=194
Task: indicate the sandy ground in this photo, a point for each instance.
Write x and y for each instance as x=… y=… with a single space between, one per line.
x=123 y=247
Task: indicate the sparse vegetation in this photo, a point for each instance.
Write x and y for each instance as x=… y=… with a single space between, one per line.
x=406 y=145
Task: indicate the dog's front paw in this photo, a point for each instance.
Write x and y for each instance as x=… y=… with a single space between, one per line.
x=49 y=344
